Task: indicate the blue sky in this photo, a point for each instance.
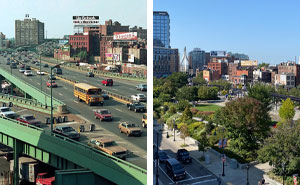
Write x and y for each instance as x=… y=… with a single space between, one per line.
x=266 y=30
x=57 y=14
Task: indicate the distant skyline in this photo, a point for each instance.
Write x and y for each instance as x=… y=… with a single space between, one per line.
x=267 y=31
x=57 y=14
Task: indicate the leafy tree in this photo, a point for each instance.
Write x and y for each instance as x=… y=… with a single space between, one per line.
x=287 y=110
x=82 y=55
x=187 y=115
x=187 y=93
x=169 y=88
x=223 y=84
x=182 y=104
x=184 y=132
x=247 y=124
x=203 y=143
x=178 y=79
x=262 y=93
x=199 y=80
x=283 y=147
x=208 y=93
x=263 y=65
x=164 y=97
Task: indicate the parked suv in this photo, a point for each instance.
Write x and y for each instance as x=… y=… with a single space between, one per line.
x=7 y=112
x=184 y=156
x=175 y=169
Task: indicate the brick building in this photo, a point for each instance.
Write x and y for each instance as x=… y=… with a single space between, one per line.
x=211 y=75
x=290 y=67
x=221 y=67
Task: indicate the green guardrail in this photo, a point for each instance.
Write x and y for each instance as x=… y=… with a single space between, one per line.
x=107 y=74
x=102 y=164
x=26 y=103
x=34 y=92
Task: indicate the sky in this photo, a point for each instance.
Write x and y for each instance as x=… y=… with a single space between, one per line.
x=265 y=30
x=57 y=14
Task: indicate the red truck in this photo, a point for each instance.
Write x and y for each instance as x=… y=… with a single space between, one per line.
x=108 y=82
x=103 y=114
x=44 y=179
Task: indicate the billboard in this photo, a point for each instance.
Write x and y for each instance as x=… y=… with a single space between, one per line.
x=62 y=42
x=125 y=36
x=131 y=58
x=85 y=20
x=218 y=53
x=112 y=57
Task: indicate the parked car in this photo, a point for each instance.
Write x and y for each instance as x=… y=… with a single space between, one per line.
x=54 y=84
x=184 y=156
x=105 y=96
x=162 y=156
x=22 y=70
x=28 y=73
x=13 y=65
x=46 y=65
x=29 y=119
x=108 y=146
x=141 y=87
x=90 y=74
x=40 y=72
x=175 y=169
x=108 y=82
x=103 y=114
x=7 y=112
x=67 y=131
x=130 y=129
x=136 y=106
x=139 y=97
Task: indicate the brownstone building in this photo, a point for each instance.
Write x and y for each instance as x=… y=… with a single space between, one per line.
x=221 y=67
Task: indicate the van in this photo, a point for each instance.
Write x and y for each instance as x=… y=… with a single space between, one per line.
x=175 y=169
x=57 y=71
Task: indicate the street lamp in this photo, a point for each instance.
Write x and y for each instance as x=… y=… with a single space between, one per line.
x=174 y=126
x=223 y=159
x=247 y=167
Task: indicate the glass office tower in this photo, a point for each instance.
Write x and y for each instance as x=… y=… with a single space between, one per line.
x=161 y=29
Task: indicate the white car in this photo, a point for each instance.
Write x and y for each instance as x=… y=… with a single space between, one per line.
x=28 y=73
x=40 y=72
x=139 y=97
x=7 y=112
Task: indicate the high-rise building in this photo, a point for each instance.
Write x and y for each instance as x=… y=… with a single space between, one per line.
x=2 y=38
x=196 y=59
x=29 y=32
x=165 y=61
x=161 y=29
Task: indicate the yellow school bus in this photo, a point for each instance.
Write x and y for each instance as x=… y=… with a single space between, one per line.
x=89 y=94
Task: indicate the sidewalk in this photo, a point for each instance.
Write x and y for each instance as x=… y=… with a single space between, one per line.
x=232 y=176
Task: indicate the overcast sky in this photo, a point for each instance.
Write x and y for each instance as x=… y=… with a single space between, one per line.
x=57 y=14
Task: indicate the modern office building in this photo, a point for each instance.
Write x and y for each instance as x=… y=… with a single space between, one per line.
x=29 y=32
x=196 y=60
x=161 y=29
x=165 y=61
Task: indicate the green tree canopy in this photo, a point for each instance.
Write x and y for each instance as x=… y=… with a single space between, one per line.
x=178 y=79
x=262 y=93
x=247 y=124
x=187 y=93
x=282 y=147
x=208 y=93
x=187 y=115
x=287 y=110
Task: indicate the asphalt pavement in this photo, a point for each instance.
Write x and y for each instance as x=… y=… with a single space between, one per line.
x=64 y=92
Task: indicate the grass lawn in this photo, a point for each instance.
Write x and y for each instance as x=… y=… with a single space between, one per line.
x=208 y=107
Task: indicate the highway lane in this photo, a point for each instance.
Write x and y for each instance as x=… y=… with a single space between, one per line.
x=122 y=87
x=64 y=92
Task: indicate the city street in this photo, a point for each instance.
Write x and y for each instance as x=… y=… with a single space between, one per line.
x=196 y=173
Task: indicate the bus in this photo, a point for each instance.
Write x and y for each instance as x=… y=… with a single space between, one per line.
x=89 y=94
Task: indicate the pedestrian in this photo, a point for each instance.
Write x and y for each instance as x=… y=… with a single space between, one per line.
x=262 y=181
x=259 y=182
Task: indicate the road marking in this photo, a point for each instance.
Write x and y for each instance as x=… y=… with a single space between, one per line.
x=65 y=88
x=114 y=89
x=202 y=177
x=75 y=101
x=166 y=174
x=60 y=94
x=119 y=110
x=204 y=181
x=20 y=111
x=189 y=174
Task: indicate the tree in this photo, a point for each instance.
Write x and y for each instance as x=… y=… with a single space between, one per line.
x=208 y=93
x=247 y=124
x=82 y=55
x=263 y=65
x=178 y=79
x=282 y=147
x=287 y=110
x=199 y=80
x=203 y=143
x=223 y=84
x=187 y=115
x=262 y=93
x=187 y=93
x=181 y=105
x=184 y=132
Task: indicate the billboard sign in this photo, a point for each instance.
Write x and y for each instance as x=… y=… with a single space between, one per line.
x=125 y=36
x=85 y=20
x=62 y=42
x=112 y=57
x=131 y=58
x=218 y=53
